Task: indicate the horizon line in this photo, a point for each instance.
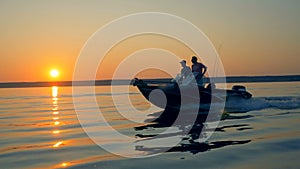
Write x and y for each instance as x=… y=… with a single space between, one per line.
x=162 y=78
x=107 y=82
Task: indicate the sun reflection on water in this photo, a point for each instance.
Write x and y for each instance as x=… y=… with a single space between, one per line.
x=55 y=112
x=65 y=164
x=55 y=118
x=56 y=123
x=55 y=131
x=54 y=92
x=58 y=144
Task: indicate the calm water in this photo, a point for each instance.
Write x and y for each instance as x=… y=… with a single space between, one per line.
x=40 y=129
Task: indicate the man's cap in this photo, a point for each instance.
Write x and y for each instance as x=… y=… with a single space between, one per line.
x=183 y=61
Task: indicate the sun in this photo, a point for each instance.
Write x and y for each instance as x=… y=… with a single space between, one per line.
x=54 y=73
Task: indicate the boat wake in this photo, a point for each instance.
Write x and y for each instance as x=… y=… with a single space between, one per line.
x=259 y=103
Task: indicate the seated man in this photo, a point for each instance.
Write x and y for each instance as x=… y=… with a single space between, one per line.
x=198 y=70
x=184 y=78
x=185 y=71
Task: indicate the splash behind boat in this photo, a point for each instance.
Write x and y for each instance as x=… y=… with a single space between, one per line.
x=172 y=93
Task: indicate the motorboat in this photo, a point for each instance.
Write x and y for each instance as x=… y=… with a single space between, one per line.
x=172 y=96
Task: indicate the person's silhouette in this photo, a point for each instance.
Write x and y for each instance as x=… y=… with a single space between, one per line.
x=185 y=71
x=198 y=70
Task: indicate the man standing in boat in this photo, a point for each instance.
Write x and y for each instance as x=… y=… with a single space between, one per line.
x=198 y=69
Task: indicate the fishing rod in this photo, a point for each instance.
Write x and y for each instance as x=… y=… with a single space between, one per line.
x=216 y=68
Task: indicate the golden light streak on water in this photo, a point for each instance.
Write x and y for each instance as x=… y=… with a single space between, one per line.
x=55 y=102
x=55 y=112
x=55 y=131
x=55 y=118
x=65 y=164
x=57 y=144
x=54 y=91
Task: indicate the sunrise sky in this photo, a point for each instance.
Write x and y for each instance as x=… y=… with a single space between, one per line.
x=253 y=37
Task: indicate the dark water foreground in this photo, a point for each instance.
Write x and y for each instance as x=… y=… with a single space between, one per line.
x=40 y=129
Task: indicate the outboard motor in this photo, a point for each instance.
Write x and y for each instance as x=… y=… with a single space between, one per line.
x=242 y=91
x=239 y=88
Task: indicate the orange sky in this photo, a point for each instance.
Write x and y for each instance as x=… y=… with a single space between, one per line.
x=136 y=43
x=256 y=38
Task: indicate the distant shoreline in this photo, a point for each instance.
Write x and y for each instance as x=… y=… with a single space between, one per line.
x=229 y=79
